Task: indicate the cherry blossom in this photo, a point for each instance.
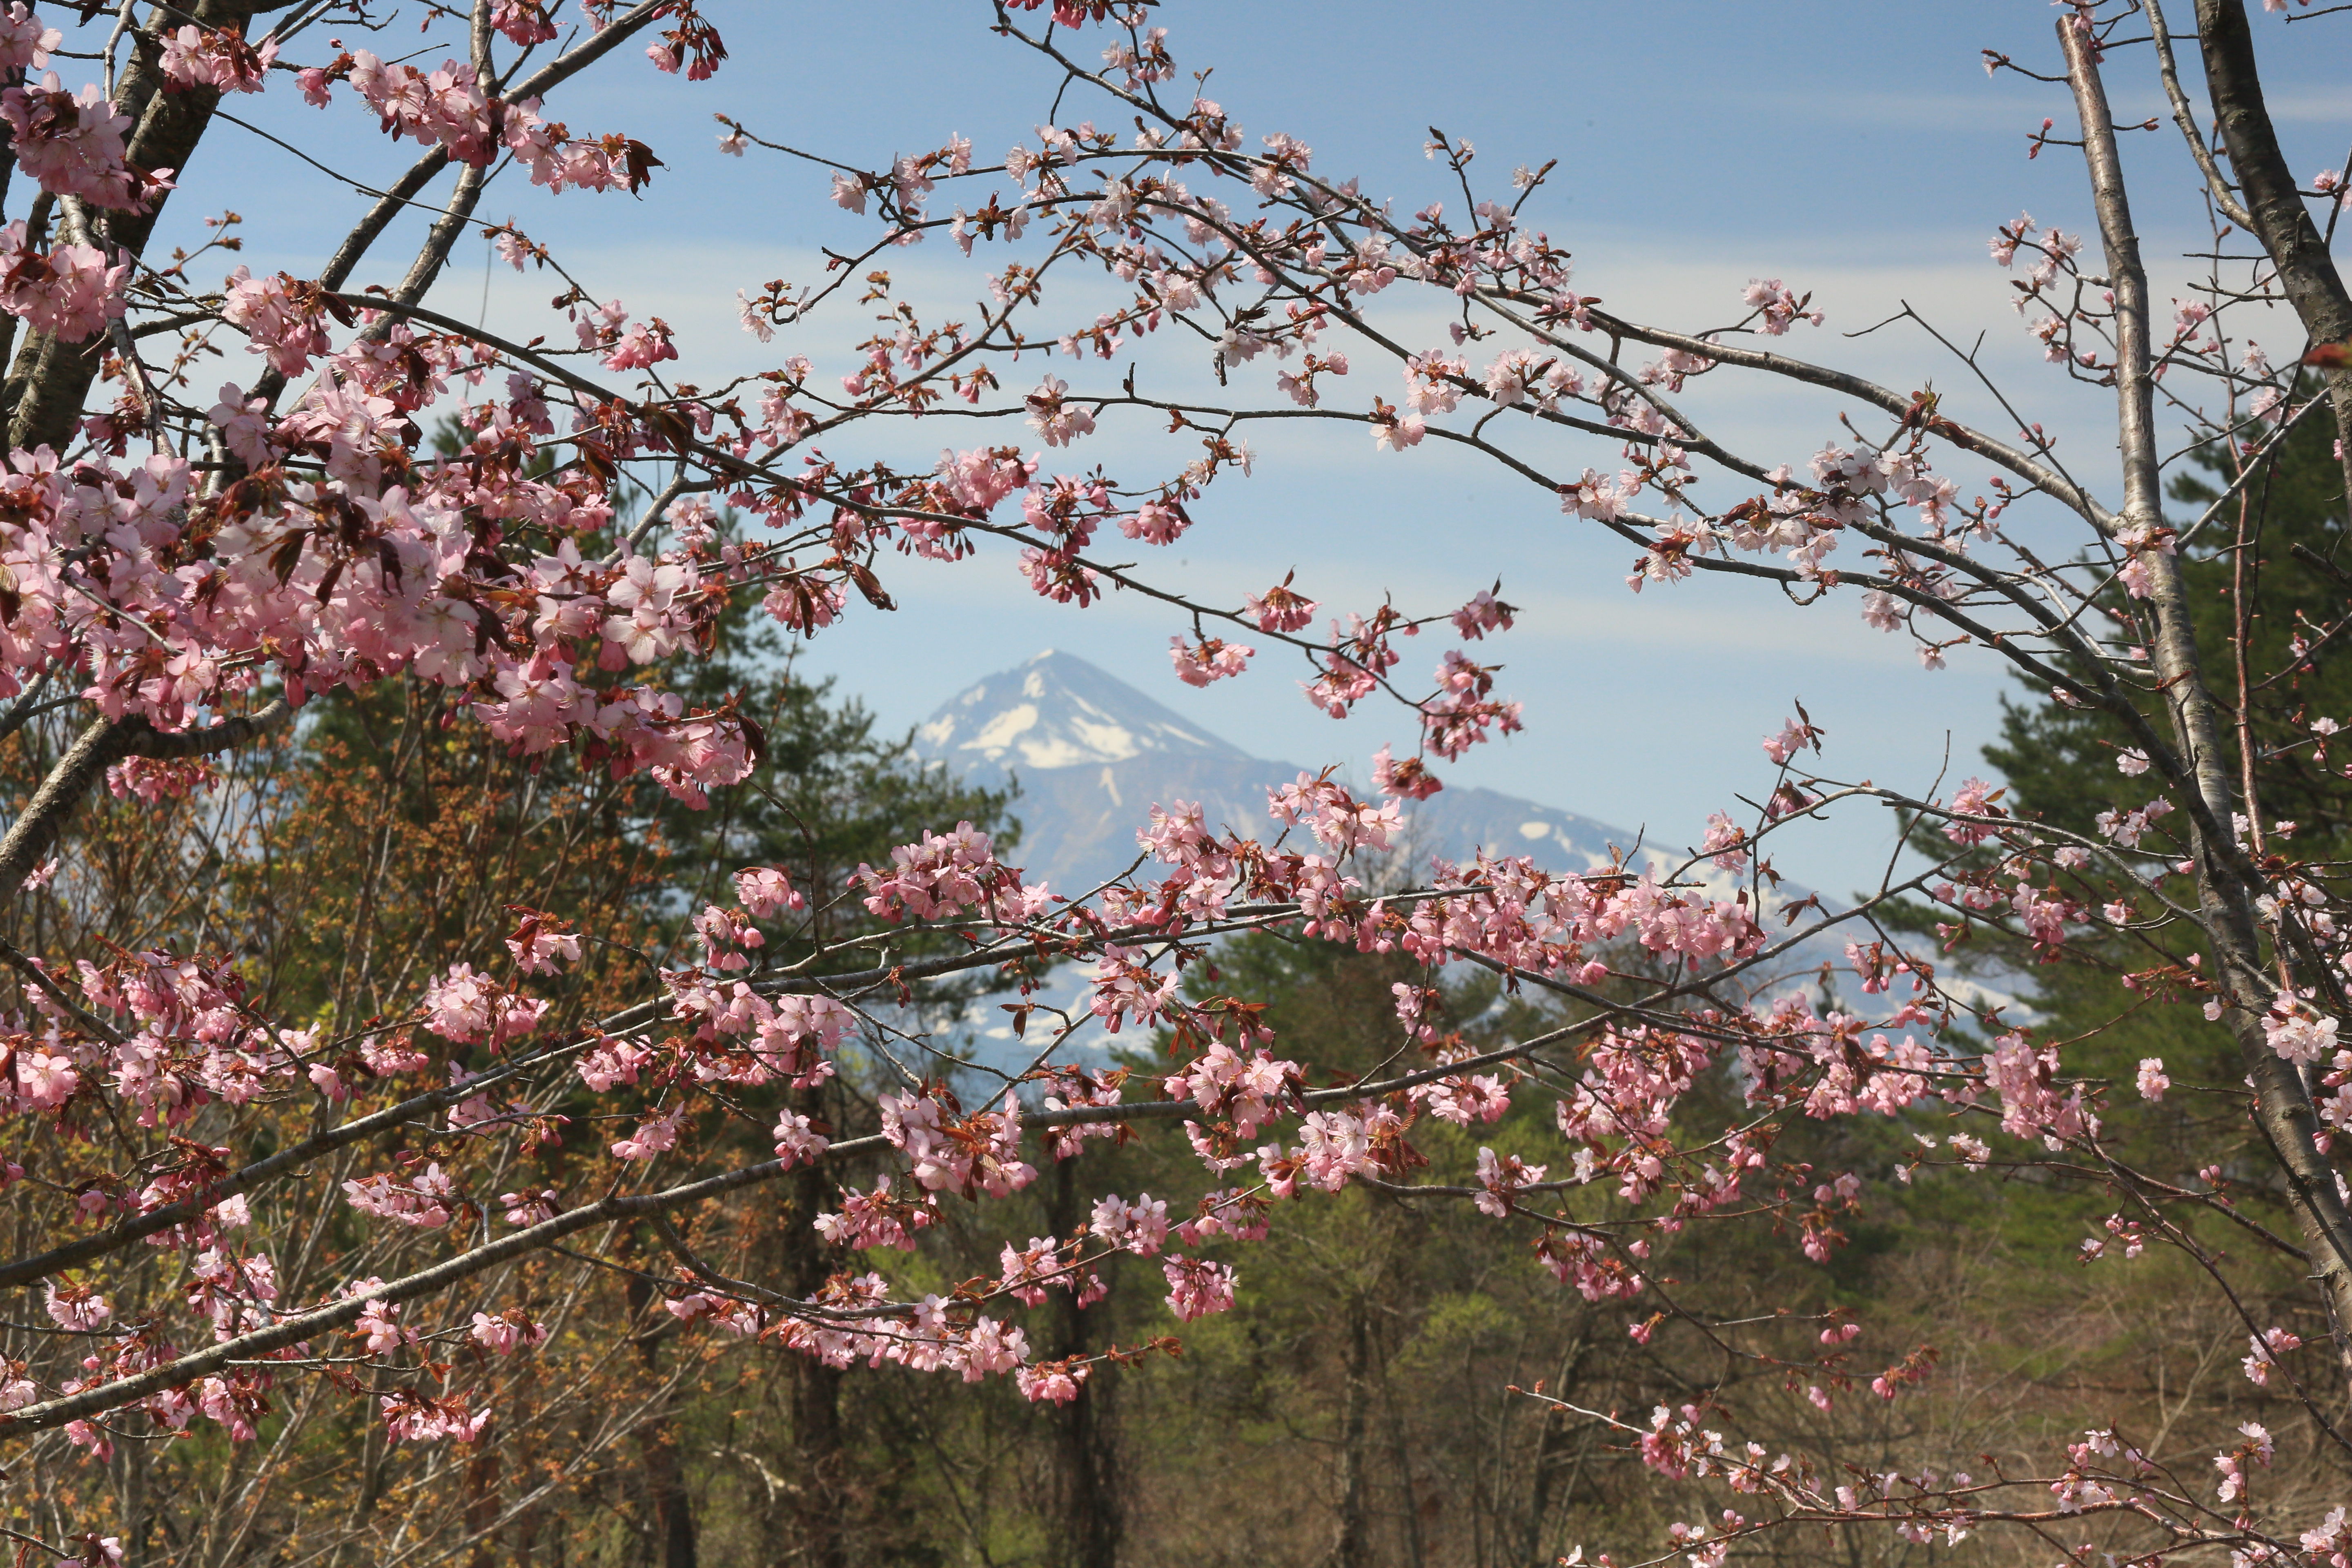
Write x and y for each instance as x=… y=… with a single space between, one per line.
x=73 y=145
x=69 y=291
x=183 y=574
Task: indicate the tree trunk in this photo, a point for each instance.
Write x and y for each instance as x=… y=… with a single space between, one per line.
x=671 y=1535
x=1088 y=1518
x=2306 y=273
x=51 y=377
x=820 y=1505
x=2226 y=883
x=1414 y=1552
x=525 y=1529
x=1551 y=1445
x=1352 y=1541
x=482 y=1503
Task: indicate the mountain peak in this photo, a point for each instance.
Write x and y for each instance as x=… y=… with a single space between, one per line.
x=1059 y=712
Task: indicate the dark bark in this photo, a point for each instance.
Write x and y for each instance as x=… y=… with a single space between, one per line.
x=522 y=1531
x=99 y=747
x=55 y=375
x=1551 y=1451
x=482 y=1504
x=1415 y=1555
x=1351 y=1538
x=36 y=237
x=96 y=748
x=1089 y=1520
x=671 y=1525
x=12 y=76
x=820 y=1504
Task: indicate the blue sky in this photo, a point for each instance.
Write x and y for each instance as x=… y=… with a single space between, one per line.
x=1857 y=150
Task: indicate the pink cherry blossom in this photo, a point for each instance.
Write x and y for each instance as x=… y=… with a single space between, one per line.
x=1197 y=1288
x=73 y=145
x=1060 y=423
x=70 y=291
x=197 y=57
x=1211 y=658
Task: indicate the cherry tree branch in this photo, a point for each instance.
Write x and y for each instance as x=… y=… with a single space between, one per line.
x=2284 y=1109
x=2224 y=200
x=2307 y=274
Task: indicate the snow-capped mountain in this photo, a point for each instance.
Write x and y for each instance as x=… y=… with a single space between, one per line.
x=1058 y=712
x=1093 y=754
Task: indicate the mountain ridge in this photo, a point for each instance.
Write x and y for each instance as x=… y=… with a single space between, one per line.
x=1092 y=753
x=1058 y=712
